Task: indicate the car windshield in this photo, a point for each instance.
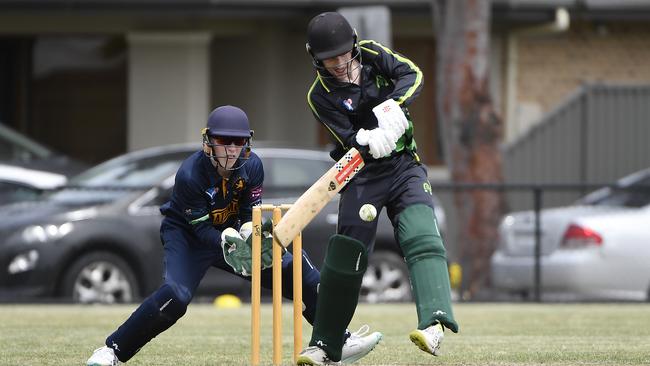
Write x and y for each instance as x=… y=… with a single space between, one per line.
x=16 y=147
x=637 y=194
x=129 y=173
x=119 y=176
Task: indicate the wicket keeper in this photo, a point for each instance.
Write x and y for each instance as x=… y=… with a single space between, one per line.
x=215 y=189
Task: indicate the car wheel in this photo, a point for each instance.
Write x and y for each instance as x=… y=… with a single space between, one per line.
x=386 y=279
x=100 y=277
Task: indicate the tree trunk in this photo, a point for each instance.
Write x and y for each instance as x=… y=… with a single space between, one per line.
x=472 y=131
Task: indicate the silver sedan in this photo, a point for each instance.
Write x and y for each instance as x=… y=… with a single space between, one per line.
x=596 y=249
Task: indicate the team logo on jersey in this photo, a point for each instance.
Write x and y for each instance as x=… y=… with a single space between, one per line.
x=381 y=81
x=347 y=103
x=239 y=184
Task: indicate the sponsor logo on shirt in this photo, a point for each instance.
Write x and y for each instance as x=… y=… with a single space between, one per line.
x=347 y=103
x=212 y=192
x=221 y=215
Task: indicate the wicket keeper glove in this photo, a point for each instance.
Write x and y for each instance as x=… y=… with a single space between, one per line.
x=379 y=142
x=391 y=118
x=236 y=252
x=267 y=241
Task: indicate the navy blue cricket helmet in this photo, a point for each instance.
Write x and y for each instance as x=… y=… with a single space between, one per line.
x=228 y=120
x=231 y=124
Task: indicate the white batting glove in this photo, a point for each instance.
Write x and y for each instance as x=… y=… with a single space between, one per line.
x=363 y=136
x=380 y=142
x=391 y=118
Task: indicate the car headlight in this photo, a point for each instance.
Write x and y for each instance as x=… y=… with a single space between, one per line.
x=23 y=262
x=43 y=233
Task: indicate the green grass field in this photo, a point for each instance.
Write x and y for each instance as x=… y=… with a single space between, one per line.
x=491 y=334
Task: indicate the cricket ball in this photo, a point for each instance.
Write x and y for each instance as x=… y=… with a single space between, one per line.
x=367 y=212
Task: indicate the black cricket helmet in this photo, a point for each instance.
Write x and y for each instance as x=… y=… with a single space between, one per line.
x=329 y=35
x=227 y=125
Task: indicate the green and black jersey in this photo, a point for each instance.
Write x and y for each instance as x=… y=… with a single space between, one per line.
x=344 y=108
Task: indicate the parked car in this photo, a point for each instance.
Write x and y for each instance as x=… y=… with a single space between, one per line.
x=97 y=240
x=595 y=249
x=18 y=184
x=19 y=150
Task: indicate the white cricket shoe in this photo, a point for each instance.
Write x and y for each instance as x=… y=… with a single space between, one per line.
x=428 y=339
x=314 y=356
x=359 y=344
x=104 y=356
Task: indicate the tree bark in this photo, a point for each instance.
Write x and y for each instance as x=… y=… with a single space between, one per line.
x=472 y=131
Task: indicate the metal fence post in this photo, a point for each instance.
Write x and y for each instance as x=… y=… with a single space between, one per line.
x=537 y=198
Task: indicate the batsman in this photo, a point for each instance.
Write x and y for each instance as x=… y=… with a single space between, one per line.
x=214 y=192
x=360 y=94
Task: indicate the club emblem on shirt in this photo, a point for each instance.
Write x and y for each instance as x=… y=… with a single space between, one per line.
x=347 y=103
x=239 y=184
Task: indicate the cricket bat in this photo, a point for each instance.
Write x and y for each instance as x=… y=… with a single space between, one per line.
x=310 y=203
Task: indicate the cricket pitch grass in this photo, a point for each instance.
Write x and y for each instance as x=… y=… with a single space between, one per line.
x=490 y=334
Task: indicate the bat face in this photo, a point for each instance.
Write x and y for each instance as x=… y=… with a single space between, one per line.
x=317 y=196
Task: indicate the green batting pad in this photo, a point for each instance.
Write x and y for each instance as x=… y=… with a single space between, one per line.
x=426 y=258
x=340 y=281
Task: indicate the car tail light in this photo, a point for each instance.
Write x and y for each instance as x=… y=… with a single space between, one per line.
x=577 y=236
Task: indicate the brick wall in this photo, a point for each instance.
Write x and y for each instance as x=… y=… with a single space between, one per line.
x=552 y=67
